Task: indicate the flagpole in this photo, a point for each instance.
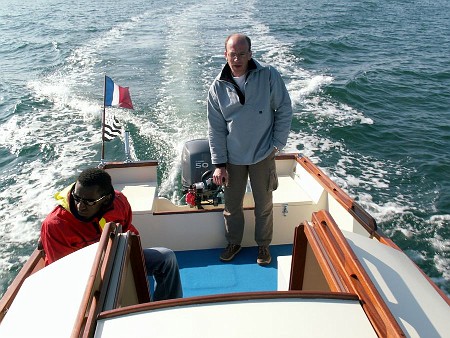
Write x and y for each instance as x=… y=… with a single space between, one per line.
x=103 y=121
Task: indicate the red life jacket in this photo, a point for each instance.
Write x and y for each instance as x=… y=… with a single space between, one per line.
x=62 y=233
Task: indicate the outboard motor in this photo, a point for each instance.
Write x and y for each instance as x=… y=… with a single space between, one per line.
x=196 y=175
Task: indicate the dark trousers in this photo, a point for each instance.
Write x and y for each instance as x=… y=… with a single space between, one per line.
x=161 y=263
x=263 y=180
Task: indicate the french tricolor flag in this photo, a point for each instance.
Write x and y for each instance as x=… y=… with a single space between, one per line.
x=116 y=95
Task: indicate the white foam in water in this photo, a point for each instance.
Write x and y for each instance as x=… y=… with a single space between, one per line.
x=357 y=186
x=65 y=126
x=303 y=85
x=171 y=110
x=63 y=129
x=441 y=244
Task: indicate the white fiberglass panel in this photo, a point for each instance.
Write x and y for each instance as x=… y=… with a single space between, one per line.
x=48 y=301
x=418 y=308
x=252 y=318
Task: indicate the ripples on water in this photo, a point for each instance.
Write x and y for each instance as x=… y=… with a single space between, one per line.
x=369 y=82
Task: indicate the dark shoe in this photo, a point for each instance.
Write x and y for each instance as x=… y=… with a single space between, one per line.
x=264 y=257
x=230 y=251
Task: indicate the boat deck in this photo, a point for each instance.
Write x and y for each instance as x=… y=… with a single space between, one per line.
x=202 y=272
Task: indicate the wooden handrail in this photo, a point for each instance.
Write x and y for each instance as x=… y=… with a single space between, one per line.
x=213 y=299
x=363 y=217
x=99 y=278
x=354 y=275
x=89 y=301
x=331 y=274
x=298 y=262
x=111 y=165
x=137 y=262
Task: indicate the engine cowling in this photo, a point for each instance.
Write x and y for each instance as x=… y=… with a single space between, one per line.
x=195 y=161
x=196 y=175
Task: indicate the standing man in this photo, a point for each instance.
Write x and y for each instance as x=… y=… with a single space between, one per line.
x=78 y=220
x=249 y=119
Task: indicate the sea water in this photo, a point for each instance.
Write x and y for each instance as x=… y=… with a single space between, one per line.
x=369 y=82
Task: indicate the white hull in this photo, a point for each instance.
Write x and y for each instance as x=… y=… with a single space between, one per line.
x=345 y=279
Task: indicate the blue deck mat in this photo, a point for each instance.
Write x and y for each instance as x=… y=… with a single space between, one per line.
x=202 y=273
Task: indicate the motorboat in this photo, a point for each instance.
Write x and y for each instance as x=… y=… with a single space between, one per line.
x=334 y=273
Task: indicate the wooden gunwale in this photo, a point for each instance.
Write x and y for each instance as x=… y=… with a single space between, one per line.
x=363 y=217
x=33 y=264
x=214 y=299
x=352 y=273
x=90 y=302
x=114 y=165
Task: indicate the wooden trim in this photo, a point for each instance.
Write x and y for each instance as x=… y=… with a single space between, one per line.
x=91 y=316
x=137 y=262
x=363 y=217
x=213 y=299
x=194 y=210
x=33 y=264
x=106 y=269
x=389 y=242
x=90 y=298
x=332 y=276
x=354 y=275
x=298 y=262
x=99 y=278
x=111 y=165
x=286 y=156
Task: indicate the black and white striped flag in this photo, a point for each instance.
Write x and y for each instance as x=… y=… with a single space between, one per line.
x=112 y=128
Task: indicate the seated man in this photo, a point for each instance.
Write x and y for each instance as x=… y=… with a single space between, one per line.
x=77 y=221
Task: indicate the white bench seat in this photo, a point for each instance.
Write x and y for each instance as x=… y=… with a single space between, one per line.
x=140 y=196
x=290 y=192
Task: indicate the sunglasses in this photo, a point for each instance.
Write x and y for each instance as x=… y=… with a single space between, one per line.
x=87 y=202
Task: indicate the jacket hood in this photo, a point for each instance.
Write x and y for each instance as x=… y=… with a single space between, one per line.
x=62 y=197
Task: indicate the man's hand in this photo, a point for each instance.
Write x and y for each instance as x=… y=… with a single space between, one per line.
x=220 y=176
x=113 y=224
